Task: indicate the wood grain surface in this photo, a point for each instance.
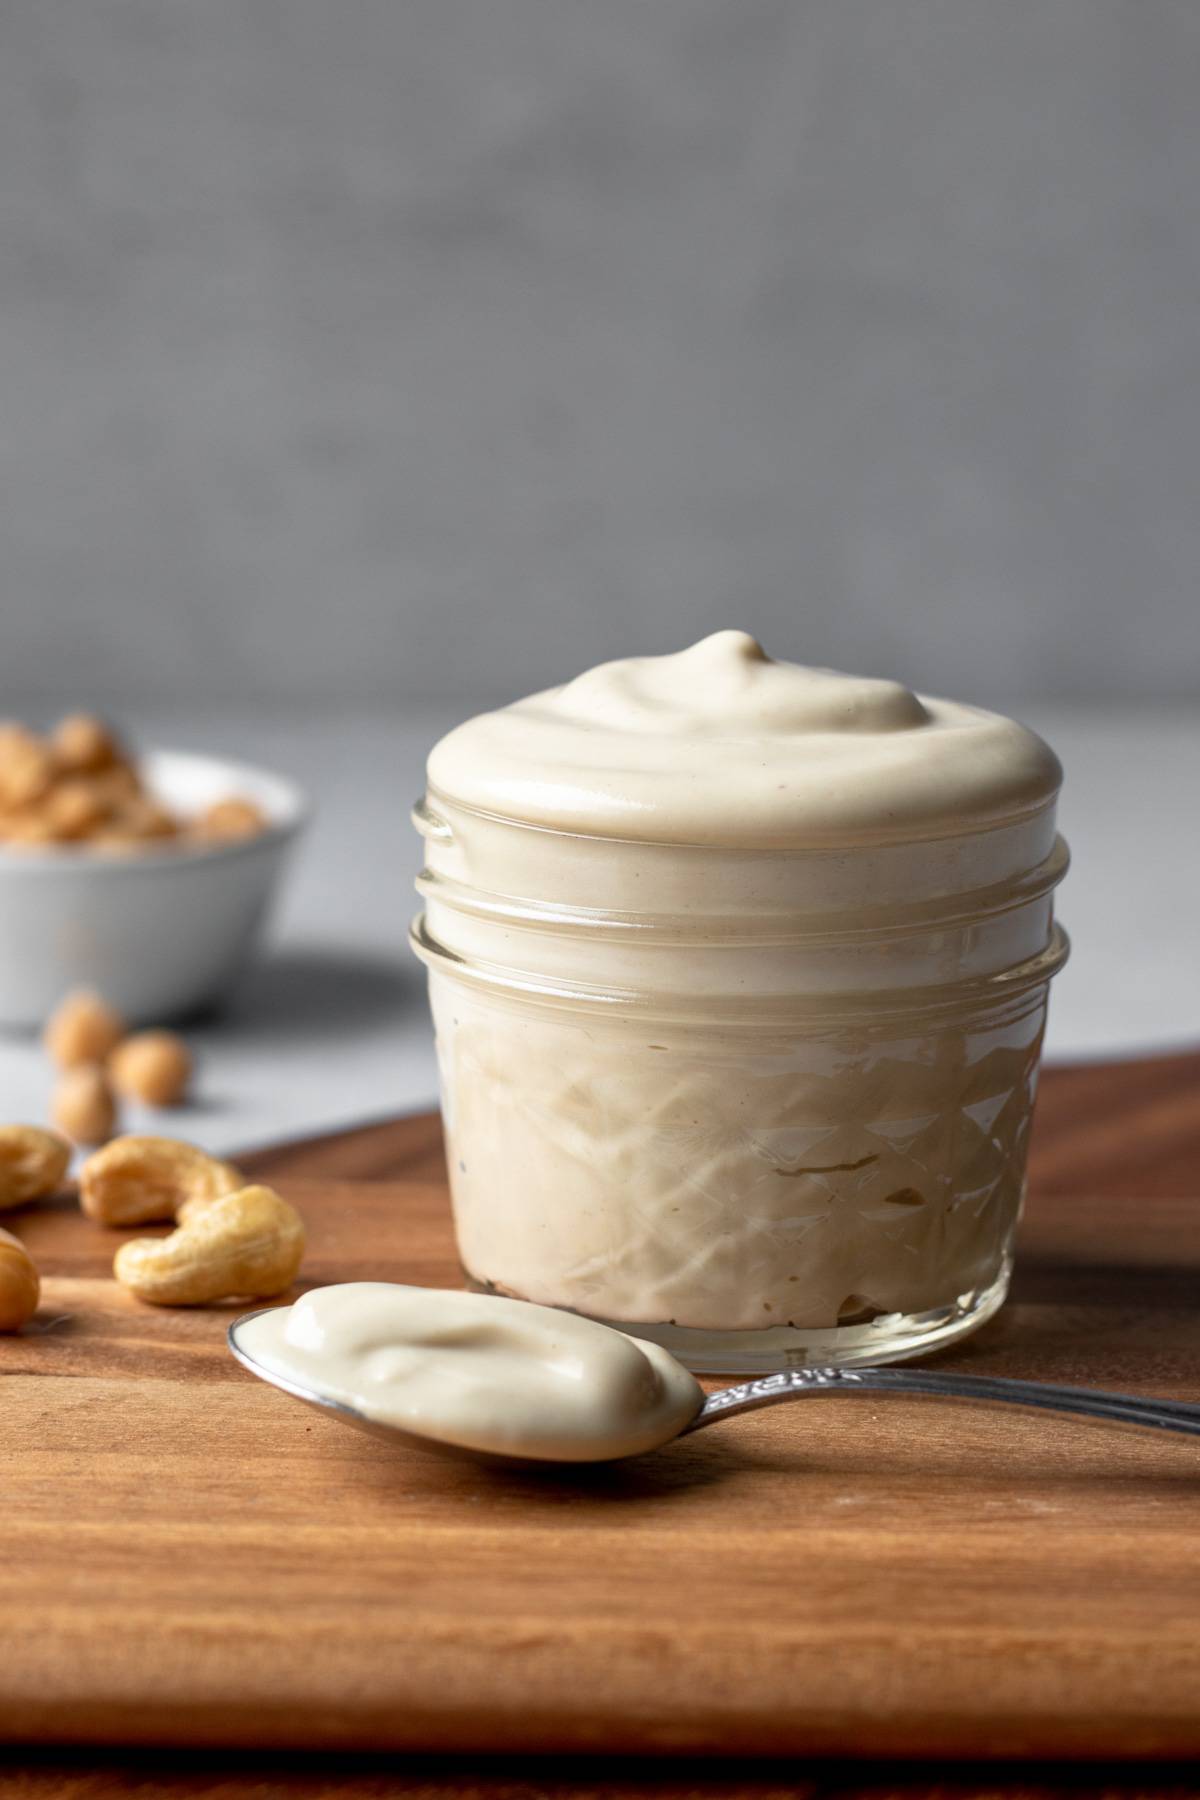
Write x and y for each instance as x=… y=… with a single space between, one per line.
x=194 y=1560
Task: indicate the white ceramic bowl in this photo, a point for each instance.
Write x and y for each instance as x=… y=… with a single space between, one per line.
x=160 y=933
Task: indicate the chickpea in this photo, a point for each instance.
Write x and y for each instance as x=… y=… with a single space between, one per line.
x=19 y=1283
x=26 y=765
x=109 y=842
x=230 y=819
x=82 y=743
x=32 y=1163
x=74 y=809
x=84 y=1106
x=152 y=1066
x=112 y=786
x=83 y=1028
x=27 y=828
x=142 y=817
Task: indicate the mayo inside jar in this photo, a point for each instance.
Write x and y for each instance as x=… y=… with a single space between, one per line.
x=739 y=974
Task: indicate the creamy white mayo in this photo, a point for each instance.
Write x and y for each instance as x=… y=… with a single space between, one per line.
x=486 y=1374
x=739 y=975
x=720 y=744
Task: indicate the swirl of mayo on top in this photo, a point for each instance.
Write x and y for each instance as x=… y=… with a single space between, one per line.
x=719 y=744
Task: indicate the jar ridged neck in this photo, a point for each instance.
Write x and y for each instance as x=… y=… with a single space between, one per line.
x=954 y=924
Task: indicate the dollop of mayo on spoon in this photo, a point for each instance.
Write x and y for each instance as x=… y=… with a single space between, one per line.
x=498 y=1376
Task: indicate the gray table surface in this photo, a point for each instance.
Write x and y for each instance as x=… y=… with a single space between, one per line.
x=331 y=1028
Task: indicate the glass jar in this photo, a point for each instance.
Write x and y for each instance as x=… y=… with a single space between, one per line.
x=777 y=1115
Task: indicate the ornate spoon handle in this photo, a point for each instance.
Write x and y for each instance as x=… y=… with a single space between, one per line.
x=796 y=1384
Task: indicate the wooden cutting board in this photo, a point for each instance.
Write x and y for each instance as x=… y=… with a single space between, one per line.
x=190 y=1558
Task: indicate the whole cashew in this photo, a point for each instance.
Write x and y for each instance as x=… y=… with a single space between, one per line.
x=133 y=1180
x=246 y=1243
x=19 y=1284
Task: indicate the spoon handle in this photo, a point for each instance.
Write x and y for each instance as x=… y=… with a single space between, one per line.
x=795 y=1384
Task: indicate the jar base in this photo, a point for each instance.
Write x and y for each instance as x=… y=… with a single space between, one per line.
x=889 y=1338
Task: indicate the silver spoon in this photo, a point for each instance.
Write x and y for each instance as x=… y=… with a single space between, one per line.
x=797 y=1384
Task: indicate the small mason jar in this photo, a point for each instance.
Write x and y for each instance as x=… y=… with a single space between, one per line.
x=777 y=1113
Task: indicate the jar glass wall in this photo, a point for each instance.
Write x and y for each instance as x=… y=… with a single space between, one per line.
x=760 y=1146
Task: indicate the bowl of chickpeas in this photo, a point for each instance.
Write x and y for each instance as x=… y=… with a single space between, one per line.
x=146 y=876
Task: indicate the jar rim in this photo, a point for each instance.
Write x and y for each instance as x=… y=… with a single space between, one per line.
x=889 y=922
x=430 y=824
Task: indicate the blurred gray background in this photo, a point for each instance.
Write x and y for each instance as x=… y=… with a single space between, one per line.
x=355 y=349
x=366 y=361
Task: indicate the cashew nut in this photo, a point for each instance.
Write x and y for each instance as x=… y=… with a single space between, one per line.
x=32 y=1163
x=247 y=1243
x=133 y=1180
x=19 y=1284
